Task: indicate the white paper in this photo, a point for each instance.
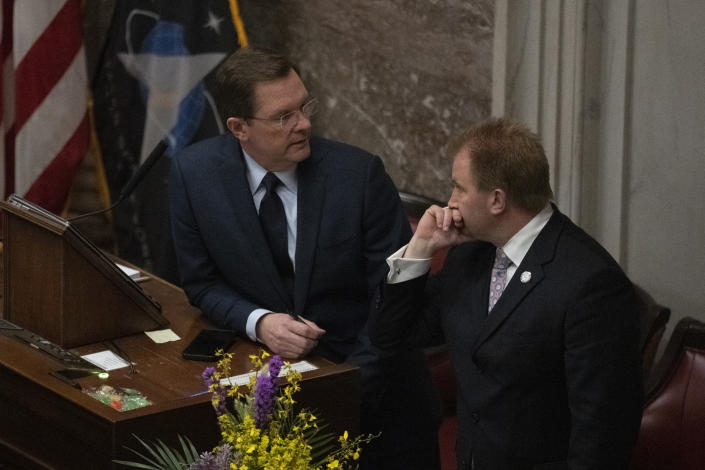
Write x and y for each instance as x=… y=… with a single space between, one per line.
x=127 y=270
x=106 y=360
x=162 y=336
x=244 y=379
x=134 y=274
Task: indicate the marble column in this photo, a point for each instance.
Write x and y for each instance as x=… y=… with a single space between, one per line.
x=616 y=90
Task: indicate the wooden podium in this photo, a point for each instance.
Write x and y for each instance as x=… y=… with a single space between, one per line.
x=60 y=286
x=46 y=423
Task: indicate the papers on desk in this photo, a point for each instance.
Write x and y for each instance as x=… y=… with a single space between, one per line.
x=162 y=336
x=134 y=274
x=106 y=360
x=244 y=379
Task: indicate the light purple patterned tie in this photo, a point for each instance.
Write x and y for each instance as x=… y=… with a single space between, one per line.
x=499 y=277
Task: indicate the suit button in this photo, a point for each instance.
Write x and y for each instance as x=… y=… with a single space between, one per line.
x=475 y=417
x=479 y=365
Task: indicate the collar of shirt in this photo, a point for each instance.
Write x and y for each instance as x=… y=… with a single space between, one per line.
x=255 y=174
x=517 y=246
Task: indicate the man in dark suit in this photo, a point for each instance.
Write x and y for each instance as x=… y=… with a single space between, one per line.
x=284 y=237
x=540 y=323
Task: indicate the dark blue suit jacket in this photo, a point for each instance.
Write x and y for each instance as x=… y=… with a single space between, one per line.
x=349 y=221
x=550 y=379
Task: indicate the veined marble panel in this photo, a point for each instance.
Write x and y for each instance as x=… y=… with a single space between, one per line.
x=398 y=78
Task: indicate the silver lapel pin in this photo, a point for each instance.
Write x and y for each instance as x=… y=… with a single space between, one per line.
x=525 y=277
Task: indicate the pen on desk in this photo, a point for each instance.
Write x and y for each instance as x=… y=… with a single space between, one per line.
x=119 y=352
x=66 y=380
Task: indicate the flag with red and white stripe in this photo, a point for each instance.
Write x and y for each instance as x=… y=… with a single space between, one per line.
x=43 y=121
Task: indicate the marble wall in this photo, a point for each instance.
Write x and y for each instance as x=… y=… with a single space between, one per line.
x=396 y=77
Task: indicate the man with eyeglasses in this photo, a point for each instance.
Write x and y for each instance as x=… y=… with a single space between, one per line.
x=283 y=237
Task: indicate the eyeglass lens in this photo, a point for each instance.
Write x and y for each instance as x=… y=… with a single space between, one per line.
x=291 y=119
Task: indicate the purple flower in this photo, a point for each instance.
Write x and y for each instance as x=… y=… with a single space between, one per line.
x=222 y=457
x=265 y=392
x=220 y=394
x=275 y=366
x=208 y=376
x=264 y=400
x=220 y=460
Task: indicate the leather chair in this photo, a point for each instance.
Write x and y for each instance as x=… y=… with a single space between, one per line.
x=653 y=324
x=672 y=434
x=439 y=364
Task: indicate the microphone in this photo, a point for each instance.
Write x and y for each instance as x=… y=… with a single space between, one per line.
x=139 y=175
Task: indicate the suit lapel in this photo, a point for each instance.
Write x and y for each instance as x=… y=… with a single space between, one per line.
x=511 y=298
x=476 y=296
x=310 y=197
x=234 y=180
x=527 y=276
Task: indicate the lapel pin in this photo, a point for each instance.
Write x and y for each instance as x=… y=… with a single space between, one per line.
x=525 y=277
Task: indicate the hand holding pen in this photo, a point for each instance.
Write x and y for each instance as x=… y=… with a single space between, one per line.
x=288 y=334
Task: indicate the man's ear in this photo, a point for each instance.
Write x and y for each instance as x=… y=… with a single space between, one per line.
x=238 y=127
x=497 y=201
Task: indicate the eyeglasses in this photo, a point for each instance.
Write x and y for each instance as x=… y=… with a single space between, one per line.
x=291 y=119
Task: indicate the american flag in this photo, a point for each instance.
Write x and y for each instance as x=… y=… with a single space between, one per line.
x=43 y=101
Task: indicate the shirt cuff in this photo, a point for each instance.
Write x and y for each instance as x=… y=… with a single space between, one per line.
x=403 y=269
x=251 y=326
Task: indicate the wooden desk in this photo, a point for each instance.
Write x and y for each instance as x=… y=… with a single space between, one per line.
x=47 y=424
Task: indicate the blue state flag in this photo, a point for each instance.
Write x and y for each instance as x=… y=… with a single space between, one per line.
x=153 y=83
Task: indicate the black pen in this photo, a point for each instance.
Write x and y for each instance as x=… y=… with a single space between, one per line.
x=119 y=352
x=295 y=316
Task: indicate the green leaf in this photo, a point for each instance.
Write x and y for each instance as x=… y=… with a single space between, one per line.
x=136 y=465
x=163 y=457
x=159 y=460
x=243 y=408
x=154 y=464
x=189 y=449
x=171 y=461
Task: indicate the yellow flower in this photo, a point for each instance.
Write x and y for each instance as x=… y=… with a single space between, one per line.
x=264 y=442
x=281 y=445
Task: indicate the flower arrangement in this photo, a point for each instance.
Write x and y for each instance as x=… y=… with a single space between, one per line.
x=259 y=429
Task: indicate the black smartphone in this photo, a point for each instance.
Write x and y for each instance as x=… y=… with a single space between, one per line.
x=207 y=342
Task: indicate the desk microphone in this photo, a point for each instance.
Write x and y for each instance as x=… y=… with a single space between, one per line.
x=139 y=175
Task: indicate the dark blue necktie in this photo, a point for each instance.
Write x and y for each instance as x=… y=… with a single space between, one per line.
x=273 y=220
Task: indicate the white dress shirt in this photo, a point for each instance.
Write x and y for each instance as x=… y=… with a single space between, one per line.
x=287 y=192
x=404 y=269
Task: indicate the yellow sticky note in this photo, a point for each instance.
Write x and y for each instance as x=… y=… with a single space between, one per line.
x=162 y=336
